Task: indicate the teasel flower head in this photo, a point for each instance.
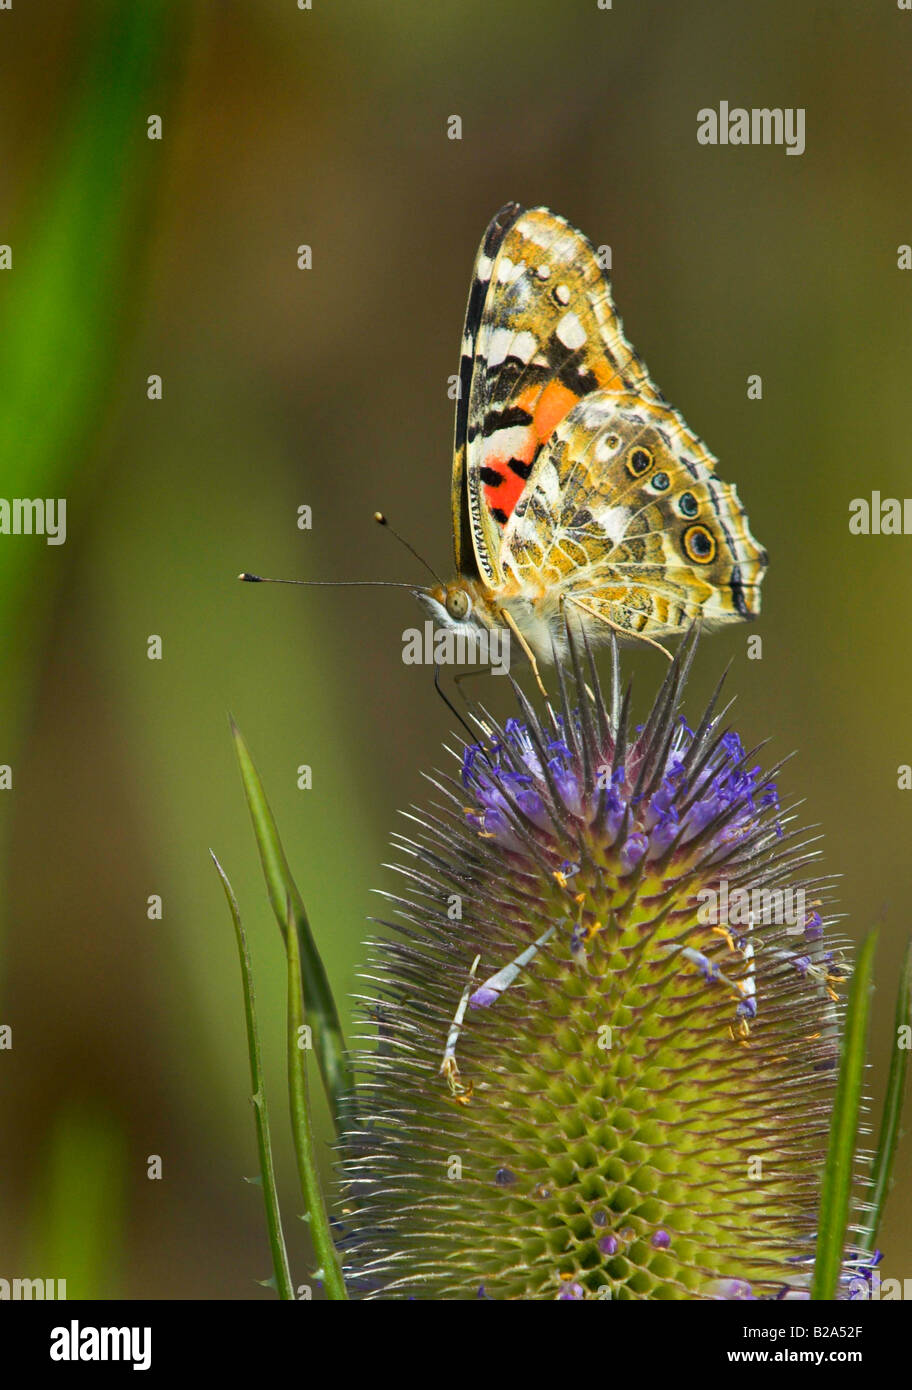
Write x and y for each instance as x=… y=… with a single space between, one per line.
x=606 y=1024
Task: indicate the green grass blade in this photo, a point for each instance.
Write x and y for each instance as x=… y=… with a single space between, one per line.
x=329 y=1042
x=302 y=1129
x=892 y=1111
x=79 y=1215
x=284 y=1286
x=837 y=1176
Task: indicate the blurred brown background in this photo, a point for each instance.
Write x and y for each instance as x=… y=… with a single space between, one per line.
x=329 y=388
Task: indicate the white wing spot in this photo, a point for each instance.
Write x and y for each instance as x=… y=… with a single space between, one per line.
x=504 y=341
x=548 y=484
x=612 y=521
x=562 y=294
x=508 y=271
x=571 y=332
x=543 y=272
x=507 y=443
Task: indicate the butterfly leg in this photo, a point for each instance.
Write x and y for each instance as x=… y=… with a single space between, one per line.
x=624 y=632
x=448 y=1067
x=495 y=985
x=511 y=623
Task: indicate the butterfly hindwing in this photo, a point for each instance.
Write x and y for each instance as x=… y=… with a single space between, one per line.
x=541 y=334
x=624 y=516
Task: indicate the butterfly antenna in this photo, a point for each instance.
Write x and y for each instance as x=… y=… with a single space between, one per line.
x=382 y=521
x=328 y=583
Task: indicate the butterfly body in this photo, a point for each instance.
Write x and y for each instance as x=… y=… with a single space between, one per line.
x=577 y=490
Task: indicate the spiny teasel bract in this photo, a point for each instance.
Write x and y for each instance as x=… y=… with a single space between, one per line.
x=623 y=1098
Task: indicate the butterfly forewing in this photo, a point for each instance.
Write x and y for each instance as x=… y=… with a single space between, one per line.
x=466 y=562
x=541 y=333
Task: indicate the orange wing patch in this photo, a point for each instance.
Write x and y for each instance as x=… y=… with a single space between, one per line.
x=553 y=403
x=506 y=470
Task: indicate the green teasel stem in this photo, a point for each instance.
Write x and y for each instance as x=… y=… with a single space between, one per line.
x=329 y=1042
x=284 y=1286
x=302 y=1127
x=892 y=1110
x=836 y=1188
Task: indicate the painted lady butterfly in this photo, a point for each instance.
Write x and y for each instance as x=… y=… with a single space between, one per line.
x=575 y=485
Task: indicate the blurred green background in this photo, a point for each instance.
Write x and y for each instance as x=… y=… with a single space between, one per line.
x=328 y=387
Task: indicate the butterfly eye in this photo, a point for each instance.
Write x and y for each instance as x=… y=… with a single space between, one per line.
x=639 y=461
x=699 y=545
x=660 y=482
x=458 y=604
x=688 y=504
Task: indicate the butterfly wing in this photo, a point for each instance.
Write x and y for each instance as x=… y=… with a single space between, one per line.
x=478 y=293
x=541 y=332
x=624 y=516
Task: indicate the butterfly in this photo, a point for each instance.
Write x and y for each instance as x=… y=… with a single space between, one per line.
x=577 y=489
